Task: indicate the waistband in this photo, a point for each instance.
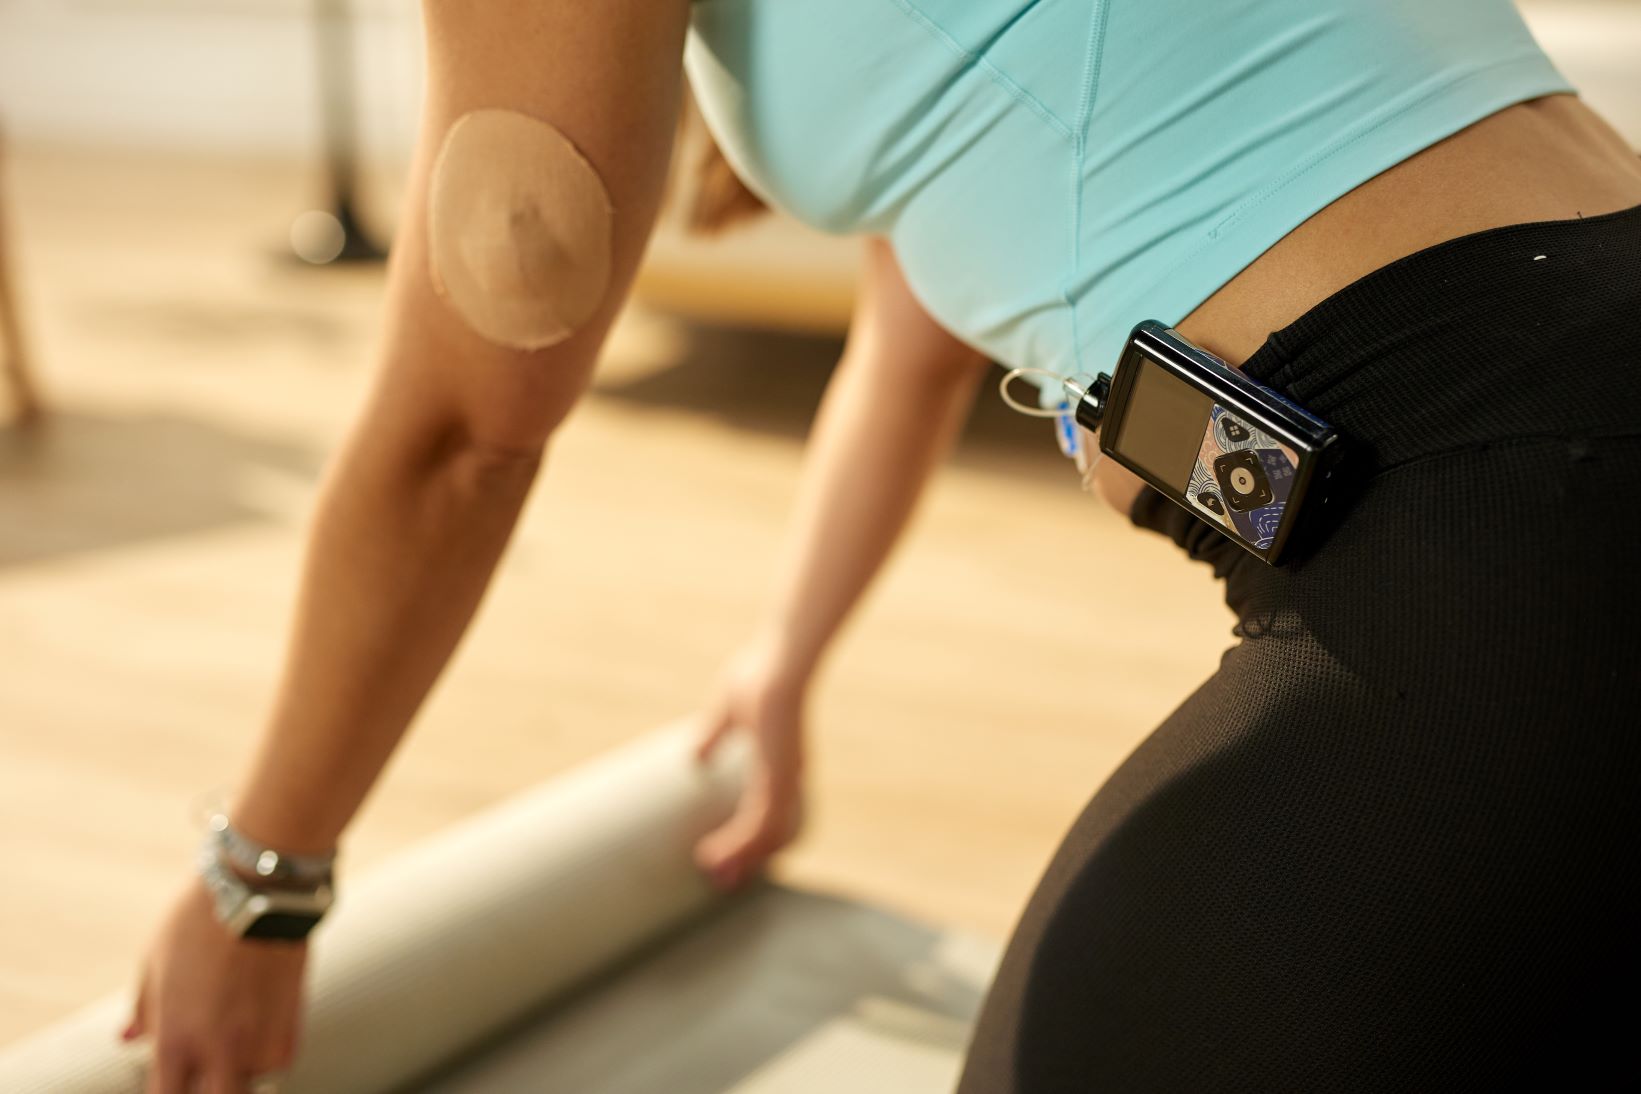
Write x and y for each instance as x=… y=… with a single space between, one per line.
x=1523 y=329
x=1520 y=331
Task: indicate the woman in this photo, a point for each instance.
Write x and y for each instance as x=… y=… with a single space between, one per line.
x=1384 y=846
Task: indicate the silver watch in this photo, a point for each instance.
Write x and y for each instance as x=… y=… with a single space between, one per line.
x=265 y=862
x=274 y=914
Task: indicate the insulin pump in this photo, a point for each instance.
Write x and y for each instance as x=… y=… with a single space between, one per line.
x=1228 y=450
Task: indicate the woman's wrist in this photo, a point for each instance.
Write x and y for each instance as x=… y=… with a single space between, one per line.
x=267 y=862
x=782 y=665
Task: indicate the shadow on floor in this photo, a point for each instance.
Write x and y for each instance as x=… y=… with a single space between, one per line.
x=211 y=326
x=771 y=382
x=709 y=1007
x=85 y=482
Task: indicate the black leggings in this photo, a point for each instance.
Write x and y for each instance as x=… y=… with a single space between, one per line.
x=1391 y=843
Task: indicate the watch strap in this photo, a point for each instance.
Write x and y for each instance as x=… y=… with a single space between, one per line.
x=267 y=862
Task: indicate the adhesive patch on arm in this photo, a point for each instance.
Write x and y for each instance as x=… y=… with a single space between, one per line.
x=519 y=227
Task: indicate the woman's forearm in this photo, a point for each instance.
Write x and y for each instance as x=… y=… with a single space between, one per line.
x=883 y=426
x=406 y=535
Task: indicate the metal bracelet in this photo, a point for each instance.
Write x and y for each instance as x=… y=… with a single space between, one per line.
x=266 y=862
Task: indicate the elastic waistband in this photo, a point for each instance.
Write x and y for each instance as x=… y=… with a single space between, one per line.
x=1523 y=330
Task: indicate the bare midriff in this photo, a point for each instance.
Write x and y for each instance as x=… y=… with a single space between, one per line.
x=1550 y=158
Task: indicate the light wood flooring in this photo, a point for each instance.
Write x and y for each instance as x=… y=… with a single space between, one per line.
x=1023 y=641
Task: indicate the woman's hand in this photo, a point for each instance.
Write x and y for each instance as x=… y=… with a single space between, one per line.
x=757 y=694
x=895 y=404
x=222 y=1010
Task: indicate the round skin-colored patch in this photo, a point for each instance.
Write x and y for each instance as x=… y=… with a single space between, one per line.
x=519 y=227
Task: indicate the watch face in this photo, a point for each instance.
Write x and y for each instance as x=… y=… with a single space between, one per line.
x=281 y=925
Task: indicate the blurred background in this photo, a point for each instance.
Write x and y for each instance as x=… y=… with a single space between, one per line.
x=192 y=198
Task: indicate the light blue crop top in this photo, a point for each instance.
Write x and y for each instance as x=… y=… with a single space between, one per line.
x=1052 y=172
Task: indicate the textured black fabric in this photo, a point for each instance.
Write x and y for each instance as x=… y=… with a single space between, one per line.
x=1390 y=843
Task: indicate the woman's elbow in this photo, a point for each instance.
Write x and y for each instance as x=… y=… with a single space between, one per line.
x=498 y=402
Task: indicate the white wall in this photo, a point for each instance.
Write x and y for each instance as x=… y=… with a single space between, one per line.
x=1597 y=45
x=238 y=75
x=217 y=75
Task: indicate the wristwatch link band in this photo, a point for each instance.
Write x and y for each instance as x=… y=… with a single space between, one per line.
x=266 y=862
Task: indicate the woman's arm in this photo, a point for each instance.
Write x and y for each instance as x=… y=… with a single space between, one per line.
x=416 y=509
x=901 y=393
x=415 y=512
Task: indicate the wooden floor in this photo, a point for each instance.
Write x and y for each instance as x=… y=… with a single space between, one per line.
x=1022 y=643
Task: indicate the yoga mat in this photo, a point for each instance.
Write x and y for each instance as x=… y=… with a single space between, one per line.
x=434 y=951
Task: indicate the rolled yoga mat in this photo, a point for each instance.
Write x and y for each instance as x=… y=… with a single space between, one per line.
x=431 y=953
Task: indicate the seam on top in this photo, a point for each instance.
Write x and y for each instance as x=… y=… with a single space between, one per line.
x=1079 y=147
x=1214 y=234
x=980 y=61
x=1091 y=69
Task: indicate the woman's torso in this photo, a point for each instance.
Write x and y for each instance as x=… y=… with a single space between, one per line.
x=1550 y=158
x=1050 y=173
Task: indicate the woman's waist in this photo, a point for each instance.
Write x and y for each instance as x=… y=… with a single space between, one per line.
x=1524 y=329
x=1565 y=162
x=1517 y=334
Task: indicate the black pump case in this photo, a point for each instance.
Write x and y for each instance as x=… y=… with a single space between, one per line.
x=1318 y=445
